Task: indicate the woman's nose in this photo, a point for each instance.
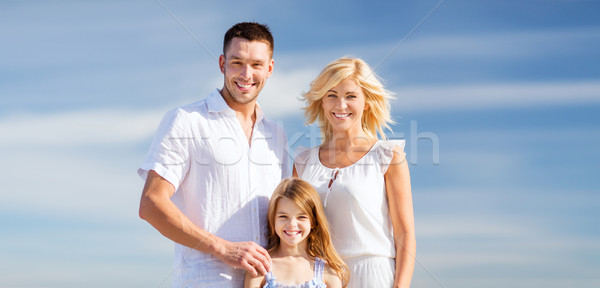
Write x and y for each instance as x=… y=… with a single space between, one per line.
x=342 y=103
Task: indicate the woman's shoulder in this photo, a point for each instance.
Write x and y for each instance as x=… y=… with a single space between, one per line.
x=393 y=144
x=391 y=152
x=304 y=157
x=303 y=153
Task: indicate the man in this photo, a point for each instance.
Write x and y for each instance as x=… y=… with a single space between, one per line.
x=212 y=168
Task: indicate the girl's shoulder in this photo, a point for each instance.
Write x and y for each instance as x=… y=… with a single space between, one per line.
x=253 y=281
x=330 y=277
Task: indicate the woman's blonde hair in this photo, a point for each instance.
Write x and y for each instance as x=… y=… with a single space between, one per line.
x=374 y=119
x=319 y=240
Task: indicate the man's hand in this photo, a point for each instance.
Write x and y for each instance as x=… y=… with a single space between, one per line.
x=246 y=255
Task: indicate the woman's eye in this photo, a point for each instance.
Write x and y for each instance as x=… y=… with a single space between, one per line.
x=331 y=95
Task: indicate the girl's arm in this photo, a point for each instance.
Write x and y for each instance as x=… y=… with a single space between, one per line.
x=253 y=282
x=331 y=279
x=397 y=183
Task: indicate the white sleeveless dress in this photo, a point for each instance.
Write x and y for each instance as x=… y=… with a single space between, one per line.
x=356 y=206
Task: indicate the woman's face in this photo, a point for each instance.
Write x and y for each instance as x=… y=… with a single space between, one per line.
x=344 y=105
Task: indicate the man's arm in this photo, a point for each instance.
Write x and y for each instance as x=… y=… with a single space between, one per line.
x=157 y=209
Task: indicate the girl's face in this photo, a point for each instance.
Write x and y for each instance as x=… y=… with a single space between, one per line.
x=292 y=225
x=344 y=105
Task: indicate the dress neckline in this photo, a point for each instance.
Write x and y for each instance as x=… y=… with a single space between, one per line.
x=340 y=168
x=316 y=281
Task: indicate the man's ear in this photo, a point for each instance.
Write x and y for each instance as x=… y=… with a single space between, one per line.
x=271 y=66
x=222 y=63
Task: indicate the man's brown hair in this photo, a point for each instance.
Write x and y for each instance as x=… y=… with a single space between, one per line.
x=251 y=31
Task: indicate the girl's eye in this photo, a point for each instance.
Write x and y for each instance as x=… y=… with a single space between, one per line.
x=282 y=217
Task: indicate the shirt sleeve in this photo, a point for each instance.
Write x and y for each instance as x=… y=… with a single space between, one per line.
x=301 y=159
x=169 y=154
x=286 y=169
x=386 y=153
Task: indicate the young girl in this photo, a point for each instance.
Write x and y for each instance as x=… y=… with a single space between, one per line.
x=299 y=242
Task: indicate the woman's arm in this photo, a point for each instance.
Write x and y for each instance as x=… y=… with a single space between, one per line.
x=397 y=183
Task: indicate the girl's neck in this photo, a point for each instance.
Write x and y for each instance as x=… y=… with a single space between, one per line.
x=291 y=251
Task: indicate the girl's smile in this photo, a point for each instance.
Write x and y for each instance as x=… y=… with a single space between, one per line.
x=292 y=225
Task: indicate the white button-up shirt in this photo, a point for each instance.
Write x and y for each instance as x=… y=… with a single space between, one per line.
x=222 y=183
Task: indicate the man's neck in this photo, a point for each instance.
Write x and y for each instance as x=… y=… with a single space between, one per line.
x=245 y=114
x=244 y=111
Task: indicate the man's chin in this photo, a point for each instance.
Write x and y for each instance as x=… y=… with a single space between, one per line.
x=244 y=99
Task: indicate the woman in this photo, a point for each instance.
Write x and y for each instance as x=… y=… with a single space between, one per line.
x=363 y=182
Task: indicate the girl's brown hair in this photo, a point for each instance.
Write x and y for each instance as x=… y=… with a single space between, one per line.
x=319 y=240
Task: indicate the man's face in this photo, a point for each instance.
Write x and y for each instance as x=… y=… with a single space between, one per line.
x=246 y=66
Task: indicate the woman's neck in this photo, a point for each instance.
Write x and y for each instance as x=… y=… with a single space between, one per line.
x=342 y=141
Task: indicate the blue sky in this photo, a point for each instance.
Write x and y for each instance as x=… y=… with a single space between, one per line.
x=499 y=102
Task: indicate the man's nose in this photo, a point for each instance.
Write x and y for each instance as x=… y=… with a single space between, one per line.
x=246 y=72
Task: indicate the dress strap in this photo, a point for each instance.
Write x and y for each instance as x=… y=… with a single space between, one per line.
x=270 y=280
x=319 y=266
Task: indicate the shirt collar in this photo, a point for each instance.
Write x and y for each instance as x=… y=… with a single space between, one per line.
x=217 y=104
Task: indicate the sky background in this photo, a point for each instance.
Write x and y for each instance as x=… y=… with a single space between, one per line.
x=499 y=102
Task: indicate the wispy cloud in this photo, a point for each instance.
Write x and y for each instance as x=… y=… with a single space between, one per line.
x=501 y=44
x=497 y=95
x=70 y=129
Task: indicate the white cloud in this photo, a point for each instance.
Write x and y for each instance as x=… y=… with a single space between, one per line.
x=496 y=95
x=75 y=128
x=500 y=45
x=281 y=95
